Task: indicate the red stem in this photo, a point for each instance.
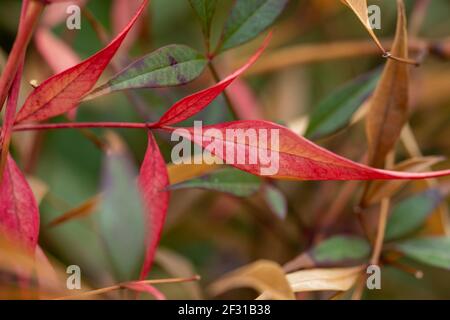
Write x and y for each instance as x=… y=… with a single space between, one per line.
x=80 y=125
x=24 y=34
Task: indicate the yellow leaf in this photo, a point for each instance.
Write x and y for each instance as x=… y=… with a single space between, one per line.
x=182 y=172
x=388 y=110
x=266 y=277
x=359 y=7
x=337 y=279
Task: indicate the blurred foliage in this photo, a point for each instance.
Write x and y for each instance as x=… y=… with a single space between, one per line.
x=218 y=230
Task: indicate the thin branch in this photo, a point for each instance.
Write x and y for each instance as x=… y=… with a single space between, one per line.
x=31 y=18
x=277 y=59
x=124 y=286
x=382 y=220
x=82 y=125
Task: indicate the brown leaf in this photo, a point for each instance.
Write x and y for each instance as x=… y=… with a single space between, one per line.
x=389 y=104
x=266 y=277
x=337 y=279
x=359 y=7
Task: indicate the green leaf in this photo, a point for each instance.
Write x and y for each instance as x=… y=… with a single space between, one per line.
x=276 y=201
x=168 y=66
x=340 y=249
x=335 y=111
x=432 y=251
x=121 y=219
x=248 y=18
x=411 y=213
x=229 y=180
x=205 y=10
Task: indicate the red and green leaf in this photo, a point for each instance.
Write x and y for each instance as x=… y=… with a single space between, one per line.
x=63 y=92
x=193 y=104
x=171 y=65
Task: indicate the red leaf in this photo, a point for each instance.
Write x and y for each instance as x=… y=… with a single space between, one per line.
x=298 y=158
x=146 y=288
x=63 y=91
x=11 y=105
x=153 y=183
x=19 y=213
x=193 y=104
x=8 y=120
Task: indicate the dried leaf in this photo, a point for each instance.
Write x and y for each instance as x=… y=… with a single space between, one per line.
x=389 y=104
x=360 y=8
x=266 y=277
x=338 y=279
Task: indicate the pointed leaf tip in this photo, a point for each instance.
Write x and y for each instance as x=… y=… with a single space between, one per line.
x=283 y=154
x=193 y=104
x=63 y=92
